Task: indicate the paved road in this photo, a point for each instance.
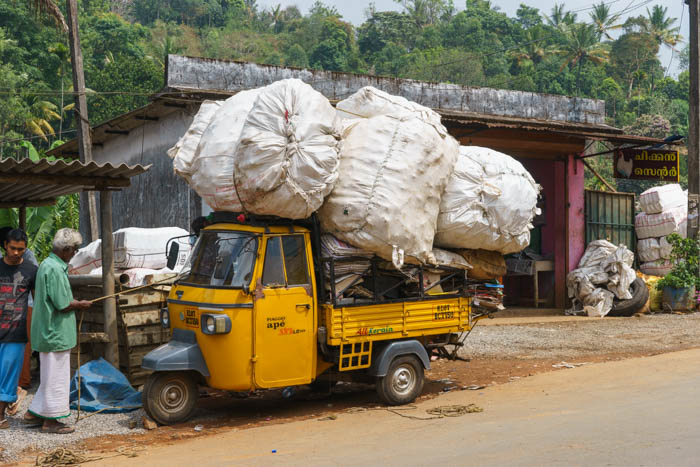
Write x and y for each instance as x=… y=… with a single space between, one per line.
x=637 y=412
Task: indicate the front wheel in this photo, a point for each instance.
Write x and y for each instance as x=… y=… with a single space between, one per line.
x=403 y=381
x=170 y=396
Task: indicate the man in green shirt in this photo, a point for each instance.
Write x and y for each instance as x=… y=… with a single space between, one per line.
x=54 y=334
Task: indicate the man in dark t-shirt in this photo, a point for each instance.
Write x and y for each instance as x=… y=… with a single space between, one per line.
x=17 y=278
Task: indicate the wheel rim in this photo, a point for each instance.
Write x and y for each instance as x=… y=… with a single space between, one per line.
x=173 y=396
x=403 y=380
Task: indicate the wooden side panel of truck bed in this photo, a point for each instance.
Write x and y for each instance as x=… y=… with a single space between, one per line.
x=396 y=320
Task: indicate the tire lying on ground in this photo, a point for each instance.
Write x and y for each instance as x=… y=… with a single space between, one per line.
x=640 y=295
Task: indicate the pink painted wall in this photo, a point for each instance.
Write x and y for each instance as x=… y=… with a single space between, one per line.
x=577 y=222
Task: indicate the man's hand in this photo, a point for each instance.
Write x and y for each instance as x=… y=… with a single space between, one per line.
x=78 y=305
x=83 y=304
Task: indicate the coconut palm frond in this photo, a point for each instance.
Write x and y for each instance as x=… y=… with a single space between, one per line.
x=49 y=8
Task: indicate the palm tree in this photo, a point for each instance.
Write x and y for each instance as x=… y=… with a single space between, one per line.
x=51 y=10
x=580 y=44
x=38 y=123
x=659 y=26
x=603 y=21
x=534 y=49
x=559 y=17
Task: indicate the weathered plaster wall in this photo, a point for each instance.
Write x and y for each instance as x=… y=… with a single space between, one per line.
x=207 y=74
x=576 y=211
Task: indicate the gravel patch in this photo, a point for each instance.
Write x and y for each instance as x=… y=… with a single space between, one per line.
x=19 y=436
x=651 y=333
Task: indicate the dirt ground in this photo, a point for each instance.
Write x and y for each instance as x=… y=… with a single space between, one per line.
x=219 y=411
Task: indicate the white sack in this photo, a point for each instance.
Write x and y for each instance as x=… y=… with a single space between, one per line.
x=488 y=204
x=213 y=164
x=145 y=248
x=656 y=268
x=665 y=248
x=372 y=102
x=603 y=266
x=183 y=152
x=662 y=224
x=598 y=304
x=287 y=158
x=450 y=259
x=86 y=259
x=392 y=174
x=662 y=198
x=648 y=249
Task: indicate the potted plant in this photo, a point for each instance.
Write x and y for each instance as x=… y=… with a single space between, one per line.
x=679 y=285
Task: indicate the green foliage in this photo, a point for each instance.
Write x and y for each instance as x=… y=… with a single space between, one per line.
x=684 y=256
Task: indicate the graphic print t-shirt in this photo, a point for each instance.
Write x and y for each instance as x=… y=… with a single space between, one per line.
x=15 y=284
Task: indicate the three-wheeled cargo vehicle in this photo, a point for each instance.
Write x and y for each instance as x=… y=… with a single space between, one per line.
x=260 y=306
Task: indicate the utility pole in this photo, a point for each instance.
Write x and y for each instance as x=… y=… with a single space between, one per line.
x=80 y=111
x=694 y=123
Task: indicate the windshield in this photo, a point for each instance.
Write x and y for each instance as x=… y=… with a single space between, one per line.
x=223 y=259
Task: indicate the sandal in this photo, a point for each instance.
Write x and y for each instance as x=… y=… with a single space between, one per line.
x=4 y=424
x=14 y=407
x=59 y=429
x=32 y=420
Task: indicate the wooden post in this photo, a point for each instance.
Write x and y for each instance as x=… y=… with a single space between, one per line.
x=23 y=218
x=80 y=110
x=693 y=123
x=109 y=306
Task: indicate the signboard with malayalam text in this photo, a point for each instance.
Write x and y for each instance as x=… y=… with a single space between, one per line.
x=660 y=165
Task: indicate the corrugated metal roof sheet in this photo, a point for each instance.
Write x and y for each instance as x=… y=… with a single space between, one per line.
x=29 y=183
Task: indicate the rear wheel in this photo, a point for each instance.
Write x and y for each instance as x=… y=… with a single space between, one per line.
x=403 y=381
x=170 y=396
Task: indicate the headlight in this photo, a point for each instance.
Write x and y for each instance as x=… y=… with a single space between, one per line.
x=165 y=317
x=215 y=323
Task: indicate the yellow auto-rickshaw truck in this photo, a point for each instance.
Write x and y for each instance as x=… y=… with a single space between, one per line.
x=258 y=306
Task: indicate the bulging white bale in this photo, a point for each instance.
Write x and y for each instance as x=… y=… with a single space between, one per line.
x=648 y=249
x=86 y=259
x=146 y=248
x=662 y=198
x=133 y=248
x=489 y=203
x=662 y=224
x=656 y=268
x=664 y=248
x=183 y=152
x=372 y=102
x=392 y=174
x=287 y=158
x=213 y=163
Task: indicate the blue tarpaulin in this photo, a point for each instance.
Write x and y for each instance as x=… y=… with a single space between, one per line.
x=103 y=387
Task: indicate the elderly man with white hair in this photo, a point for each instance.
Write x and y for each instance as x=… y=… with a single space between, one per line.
x=54 y=334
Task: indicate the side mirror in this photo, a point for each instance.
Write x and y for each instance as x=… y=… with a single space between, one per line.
x=173 y=254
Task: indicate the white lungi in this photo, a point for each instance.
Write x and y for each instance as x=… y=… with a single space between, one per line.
x=52 y=398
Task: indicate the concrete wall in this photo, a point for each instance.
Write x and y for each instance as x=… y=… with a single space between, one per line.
x=157 y=198
x=208 y=74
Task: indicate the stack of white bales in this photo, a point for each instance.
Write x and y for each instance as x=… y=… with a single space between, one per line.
x=269 y=151
x=665 y=211
x=397 y=184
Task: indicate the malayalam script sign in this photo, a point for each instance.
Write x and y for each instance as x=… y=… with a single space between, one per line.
x=647 y=164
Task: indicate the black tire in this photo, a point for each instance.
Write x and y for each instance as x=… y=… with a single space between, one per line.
x=170 y=396
x=403 y=381
x=640 y=296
